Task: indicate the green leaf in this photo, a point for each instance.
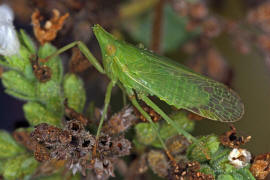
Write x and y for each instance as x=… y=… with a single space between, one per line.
x=8 y=146
x=17 y=83
x=50 y=94
x=182 y=120
x=145 y=134
x=206 y=169
x=174 y=29
x=27 y=42
x=203 y=149
x=225 y=177
x=36 y=113
x=74 y=92
x=245 y=173
x=19 y=166
x=166 y=130
x=54 y=63
x=220 y=161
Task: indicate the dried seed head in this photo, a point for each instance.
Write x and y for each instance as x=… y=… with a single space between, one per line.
x=230 y=139
x=189 y=170
x=121 y=147
x=103 y=169
x=74 y=126
x=49 y=32
x=264 y=42
x=154 y=116
x=198 y=11
x=239 y=157
x=158 y=163
x=261 y=16
x=260 y=168
x=42 y=72
x=120 y=121
x=75 y=145
x=46 y=134
x=177 y=144
x=211 y=28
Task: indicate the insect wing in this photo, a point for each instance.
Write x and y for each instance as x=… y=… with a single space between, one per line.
x=182 y=88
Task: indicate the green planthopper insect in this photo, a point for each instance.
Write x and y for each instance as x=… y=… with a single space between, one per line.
x=142 y=73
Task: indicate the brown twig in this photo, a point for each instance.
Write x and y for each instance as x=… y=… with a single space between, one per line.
x=157 y=27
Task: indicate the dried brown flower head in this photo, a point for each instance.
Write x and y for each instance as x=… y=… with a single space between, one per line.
x=188 y=171
x=177 y=145
x=260 y=168
x=230 y=138
x=211 y=63
x=261 y=16
x=211 y=27
x=52 y=26
x=264 y=42
x=158 y=163
x=42 y=72
x=120 y=121
x=75 y=145
x=154 y=115
x=198 y=10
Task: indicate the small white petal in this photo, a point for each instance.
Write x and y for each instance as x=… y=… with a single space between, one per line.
x=9 y=43
x=6 y=13
x=239 y=157
x=75 y=167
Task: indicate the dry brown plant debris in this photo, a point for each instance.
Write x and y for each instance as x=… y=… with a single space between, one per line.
x=51 y=27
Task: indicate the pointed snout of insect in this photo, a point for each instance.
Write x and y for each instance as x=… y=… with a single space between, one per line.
x=102 y=35
x=106 y=41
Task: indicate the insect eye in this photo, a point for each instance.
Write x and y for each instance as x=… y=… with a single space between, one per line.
x=110 y=49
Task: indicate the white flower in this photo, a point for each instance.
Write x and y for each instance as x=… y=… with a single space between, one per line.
x=6 y=13
x=9 y=43
x=75 y=167
x=239 y=157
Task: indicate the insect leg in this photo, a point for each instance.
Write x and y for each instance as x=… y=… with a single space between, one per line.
x=106 y=104
x=153 y=125
x=83 y=48
x=167 y=118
